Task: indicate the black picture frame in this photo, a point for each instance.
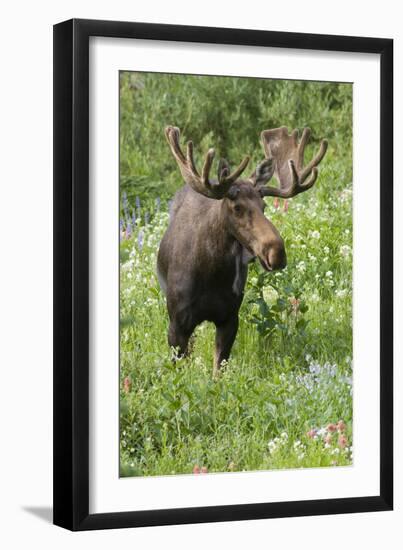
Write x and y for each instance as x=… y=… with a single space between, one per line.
x=71 y=274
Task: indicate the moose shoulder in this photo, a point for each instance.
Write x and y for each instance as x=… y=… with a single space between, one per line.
x=217 y=227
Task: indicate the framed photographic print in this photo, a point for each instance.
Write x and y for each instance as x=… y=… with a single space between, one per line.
x=223 y=320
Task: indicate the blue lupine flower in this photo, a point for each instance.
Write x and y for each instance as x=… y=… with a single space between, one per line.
x=134 y=218
x=125 y=204
x=146 y=218
x=128 y=230
x=121 y=229
x=158 y=203
x=140 y=239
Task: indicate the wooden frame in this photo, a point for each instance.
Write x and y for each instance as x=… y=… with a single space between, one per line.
x=71 y=274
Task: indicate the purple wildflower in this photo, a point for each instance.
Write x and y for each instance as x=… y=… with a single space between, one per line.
x=128 y=230
x=125 y=204
x=140 y=239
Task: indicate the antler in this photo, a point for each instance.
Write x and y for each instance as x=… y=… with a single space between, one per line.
x=201 y=183
x=288 y=155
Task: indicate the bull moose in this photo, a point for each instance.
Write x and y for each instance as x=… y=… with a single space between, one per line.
x=218 y=226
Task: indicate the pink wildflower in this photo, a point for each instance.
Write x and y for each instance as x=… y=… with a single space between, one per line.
x=295 y=304
x=341 y=426
x=127 y=384
x=276 y=203
x=285 y=206
x=331 y=428
x=311 y=434
x=196 y=469
x=343 y=442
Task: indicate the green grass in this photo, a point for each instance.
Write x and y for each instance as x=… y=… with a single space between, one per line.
x=290 y=370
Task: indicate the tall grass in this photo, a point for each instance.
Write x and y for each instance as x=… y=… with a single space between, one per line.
x=288 y=383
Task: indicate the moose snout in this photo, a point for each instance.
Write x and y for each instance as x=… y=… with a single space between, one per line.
x=273 y=255
x=277 y=257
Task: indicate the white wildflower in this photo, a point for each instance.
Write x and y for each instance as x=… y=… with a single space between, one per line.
x=301 y=266
x=345 y=250
x=341 y=292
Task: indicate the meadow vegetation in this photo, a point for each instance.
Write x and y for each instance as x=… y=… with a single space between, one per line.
x=284 y=400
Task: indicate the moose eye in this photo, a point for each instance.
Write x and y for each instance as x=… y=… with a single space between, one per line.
x=238 y=209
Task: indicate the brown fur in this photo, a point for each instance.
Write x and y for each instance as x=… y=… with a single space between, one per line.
x=198 y=257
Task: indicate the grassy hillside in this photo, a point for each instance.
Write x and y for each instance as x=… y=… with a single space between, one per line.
x=289 y=380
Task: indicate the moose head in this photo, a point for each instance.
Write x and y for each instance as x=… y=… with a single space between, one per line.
x=218 y=226
x=242 y=202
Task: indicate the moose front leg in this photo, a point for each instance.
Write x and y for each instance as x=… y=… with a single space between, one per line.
x=178 y=338
x=225 y=336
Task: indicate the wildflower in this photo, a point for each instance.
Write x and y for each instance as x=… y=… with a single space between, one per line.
x=331 y=427
x=345 y=250
x=301 y=266
x=158 y=203
x=146 y=218
x=270 y=294
x=329 y=274
x=127 y=384
x=340 y=293
x=272 y=446
x=284 y=435
x=276 y=203
x=342 y=441
x=128 y=230
x=315 y=234
x=341 y=427
x=328 y=438
x=231 y=466
x=204 y=470
x=285 y=206
x=295 y=304
x=326 y=249
x=196 y=469
x=311 y=434
x=140 y=239
x=125 y=204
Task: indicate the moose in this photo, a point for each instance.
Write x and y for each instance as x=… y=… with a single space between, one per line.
x=218 y=226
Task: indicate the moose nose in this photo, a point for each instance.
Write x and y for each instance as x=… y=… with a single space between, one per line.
x=277 y=256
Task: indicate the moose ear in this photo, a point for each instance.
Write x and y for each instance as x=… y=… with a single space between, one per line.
x=223 y=169
x=263 y=173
